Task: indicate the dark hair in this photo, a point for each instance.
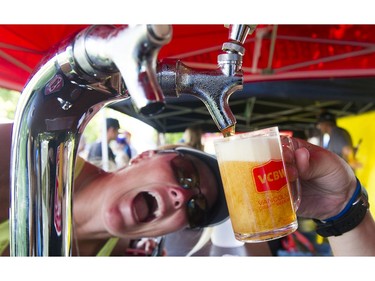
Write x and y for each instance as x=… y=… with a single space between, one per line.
x=327 y=117
x=112 y=123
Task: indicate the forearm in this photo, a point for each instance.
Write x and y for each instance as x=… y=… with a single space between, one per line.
x=358 y=242
x=351 y=232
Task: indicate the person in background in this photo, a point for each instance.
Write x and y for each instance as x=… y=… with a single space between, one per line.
x=123 y=154
x=130 y=149
x=337 y=139
x=124 y=150
x=95 y=155
x=193 y=137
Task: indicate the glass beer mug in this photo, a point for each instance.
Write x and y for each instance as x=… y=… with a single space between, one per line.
x=262 y=202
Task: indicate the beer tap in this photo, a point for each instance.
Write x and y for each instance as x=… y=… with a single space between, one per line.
x=212 y=87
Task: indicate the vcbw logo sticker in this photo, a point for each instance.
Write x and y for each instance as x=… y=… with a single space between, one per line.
x=269 y=176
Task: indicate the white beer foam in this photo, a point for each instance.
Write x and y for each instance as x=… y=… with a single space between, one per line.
x=251 y=149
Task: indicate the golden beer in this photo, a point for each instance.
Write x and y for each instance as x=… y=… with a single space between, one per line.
x=256 y=187
x=257 y=214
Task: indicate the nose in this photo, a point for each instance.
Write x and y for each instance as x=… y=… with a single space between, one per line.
x=178 y=196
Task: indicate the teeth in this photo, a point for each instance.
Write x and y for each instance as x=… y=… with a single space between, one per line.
x=157 y=211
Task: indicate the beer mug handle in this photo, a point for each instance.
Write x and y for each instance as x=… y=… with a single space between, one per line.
x=288 y=149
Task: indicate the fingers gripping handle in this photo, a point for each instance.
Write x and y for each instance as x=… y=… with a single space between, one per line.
x=288 y=148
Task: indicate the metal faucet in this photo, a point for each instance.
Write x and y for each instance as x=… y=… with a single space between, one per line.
x=213 y=87
x=99 y=66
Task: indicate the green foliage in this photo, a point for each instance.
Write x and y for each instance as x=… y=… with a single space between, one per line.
x=8 y=103
x=173 y=138
x=93 y=131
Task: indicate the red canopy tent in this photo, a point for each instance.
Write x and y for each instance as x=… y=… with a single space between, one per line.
x=285 y=51
x=273 y=53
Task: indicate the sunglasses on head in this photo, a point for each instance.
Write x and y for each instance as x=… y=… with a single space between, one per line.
x=187 y=176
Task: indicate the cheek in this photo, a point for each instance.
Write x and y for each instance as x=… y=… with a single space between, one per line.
x=113 y=221
x=177 y=221
x=117 y=214
x=163 y=226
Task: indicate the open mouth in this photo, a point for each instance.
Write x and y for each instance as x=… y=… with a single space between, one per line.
x=145 y=207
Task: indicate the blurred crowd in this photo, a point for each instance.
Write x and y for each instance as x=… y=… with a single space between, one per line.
x=116 y=145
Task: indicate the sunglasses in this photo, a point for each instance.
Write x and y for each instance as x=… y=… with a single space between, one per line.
x=187 y=176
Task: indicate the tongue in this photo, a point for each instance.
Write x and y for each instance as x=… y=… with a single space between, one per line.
x=141 y=208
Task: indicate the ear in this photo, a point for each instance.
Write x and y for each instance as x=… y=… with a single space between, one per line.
x=142 y=156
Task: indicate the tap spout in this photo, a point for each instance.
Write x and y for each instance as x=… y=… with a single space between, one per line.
x=212 y=87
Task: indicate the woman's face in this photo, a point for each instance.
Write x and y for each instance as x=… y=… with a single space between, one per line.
x=153 y=203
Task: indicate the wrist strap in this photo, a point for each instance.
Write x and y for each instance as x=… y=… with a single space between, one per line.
x=350 y=217
x=348 y=205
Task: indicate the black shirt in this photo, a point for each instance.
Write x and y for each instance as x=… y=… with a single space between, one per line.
x=95 y=152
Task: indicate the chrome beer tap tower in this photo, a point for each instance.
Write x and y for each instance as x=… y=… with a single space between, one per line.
x=99 y=66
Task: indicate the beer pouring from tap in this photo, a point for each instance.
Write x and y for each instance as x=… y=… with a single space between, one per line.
x=212 y=87
x=231 y=62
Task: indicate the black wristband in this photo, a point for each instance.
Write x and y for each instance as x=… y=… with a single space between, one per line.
x=354 y=213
